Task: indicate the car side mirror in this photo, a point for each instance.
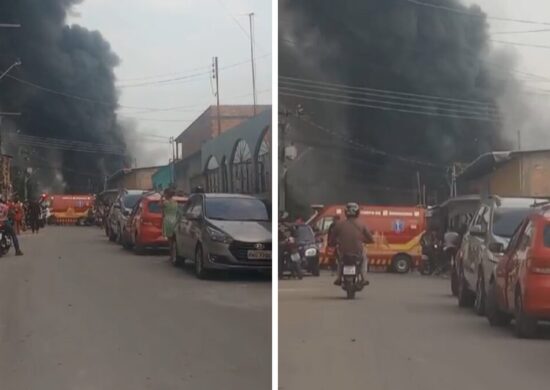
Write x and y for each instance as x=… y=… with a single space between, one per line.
x=477 y=231
x=193 y=217
x=496 y=247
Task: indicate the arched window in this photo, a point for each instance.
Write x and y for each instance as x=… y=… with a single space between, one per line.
x=225 y=179
x=213 y=175
x=241 y=169
x=263 y=167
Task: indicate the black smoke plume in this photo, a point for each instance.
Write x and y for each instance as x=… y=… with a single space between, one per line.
x=389 y=45
x=71 y=60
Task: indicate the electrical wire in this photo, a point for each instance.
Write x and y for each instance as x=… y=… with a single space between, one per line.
x=420 y=109
x=476 y=15
x=384 y=108
x=366 y=148
x=474 y=106
x=397 y=93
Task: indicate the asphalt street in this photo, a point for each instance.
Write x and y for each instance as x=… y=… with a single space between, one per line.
x=401 y=333
x=79 y=313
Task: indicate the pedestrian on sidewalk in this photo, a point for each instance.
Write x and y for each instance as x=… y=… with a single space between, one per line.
x=6 y=221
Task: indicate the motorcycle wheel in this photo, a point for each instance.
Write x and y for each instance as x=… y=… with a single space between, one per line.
x=350 y=293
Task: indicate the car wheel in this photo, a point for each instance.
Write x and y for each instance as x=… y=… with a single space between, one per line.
x=119 y=234
x=200 y=271
x=112 y=236
x=175 y=259
x=401 y=264
x=495 y=316
x=465 y=296
x=525 y=325
x=480 y=297
x=138 y=249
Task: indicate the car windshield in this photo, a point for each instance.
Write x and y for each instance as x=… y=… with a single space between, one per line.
x=236 y=209
x=506 y=220
x=131 y=200
x=304 y=234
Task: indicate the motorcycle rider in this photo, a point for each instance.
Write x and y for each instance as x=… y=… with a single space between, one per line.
x=7 y=225
x=348 y=237
x=330 y=234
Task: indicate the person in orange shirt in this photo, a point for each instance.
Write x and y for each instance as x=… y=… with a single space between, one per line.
x=18 y=208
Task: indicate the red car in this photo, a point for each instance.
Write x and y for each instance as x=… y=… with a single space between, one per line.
x=520 y=285
x=144 y=225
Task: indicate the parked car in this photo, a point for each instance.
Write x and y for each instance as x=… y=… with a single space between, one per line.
x=494 y=223
x=308 y=247
x=519 y=286
x=223 y=232
x=120 y=211
x=143 y=227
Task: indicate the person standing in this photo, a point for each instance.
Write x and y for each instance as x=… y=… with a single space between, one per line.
x=6 y=221
x=169 y=214
x=34 y=211
x=18 y=212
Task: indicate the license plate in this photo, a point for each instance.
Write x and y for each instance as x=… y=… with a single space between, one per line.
x=295 y=257
x=349 y=270
x=259 y=255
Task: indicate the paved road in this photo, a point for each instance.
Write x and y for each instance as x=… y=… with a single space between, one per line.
x=80 y=313
x=402 y=333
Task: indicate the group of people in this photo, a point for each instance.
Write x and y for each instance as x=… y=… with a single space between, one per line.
x=347 y=236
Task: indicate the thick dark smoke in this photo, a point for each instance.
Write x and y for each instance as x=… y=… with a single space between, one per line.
x=390 y=45
x=70 y=59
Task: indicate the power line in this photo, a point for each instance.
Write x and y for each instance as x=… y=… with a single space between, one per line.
x=520 y=44
x=520 y=32
x=384 y=108
x=387 y=94
x=431 y=109
x=476 y=15
x=398 y=93
x=366 y=148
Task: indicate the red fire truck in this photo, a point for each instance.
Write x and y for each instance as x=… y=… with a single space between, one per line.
x=396 y=230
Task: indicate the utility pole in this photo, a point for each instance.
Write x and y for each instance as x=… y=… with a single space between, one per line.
x=216 y=76
x=252 y=44
x=173 y=162
x=519 y=139
x=520 y=164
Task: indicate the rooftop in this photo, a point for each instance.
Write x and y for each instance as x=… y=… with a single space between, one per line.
x=488 y=162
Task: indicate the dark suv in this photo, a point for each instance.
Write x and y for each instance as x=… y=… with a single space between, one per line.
x=494 y=223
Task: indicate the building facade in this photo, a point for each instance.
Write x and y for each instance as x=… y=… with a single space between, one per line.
x=239 y=160
x=521 y=173
x=188 y=167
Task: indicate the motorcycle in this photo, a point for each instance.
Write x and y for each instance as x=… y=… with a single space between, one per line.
x=352 y=280
x=290 y=259
x=5 y=242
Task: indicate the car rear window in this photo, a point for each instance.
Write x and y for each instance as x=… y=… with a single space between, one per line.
x=546 y=236
x=131 y=200
x=236 y=209
x=506 y=220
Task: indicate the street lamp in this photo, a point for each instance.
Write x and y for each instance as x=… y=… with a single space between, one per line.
x=16 y=63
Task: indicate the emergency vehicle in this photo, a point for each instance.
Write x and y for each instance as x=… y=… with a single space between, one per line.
x=68 y=209
x=396 y=231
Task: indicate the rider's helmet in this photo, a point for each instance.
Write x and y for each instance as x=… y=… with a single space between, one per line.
x=352 y=210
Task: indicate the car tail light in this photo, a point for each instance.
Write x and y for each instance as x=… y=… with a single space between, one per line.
x=146 y=222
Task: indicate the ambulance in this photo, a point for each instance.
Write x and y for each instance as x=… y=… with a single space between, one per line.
x=396 y=231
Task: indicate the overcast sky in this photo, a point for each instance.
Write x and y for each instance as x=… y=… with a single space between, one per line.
x=178 y=38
